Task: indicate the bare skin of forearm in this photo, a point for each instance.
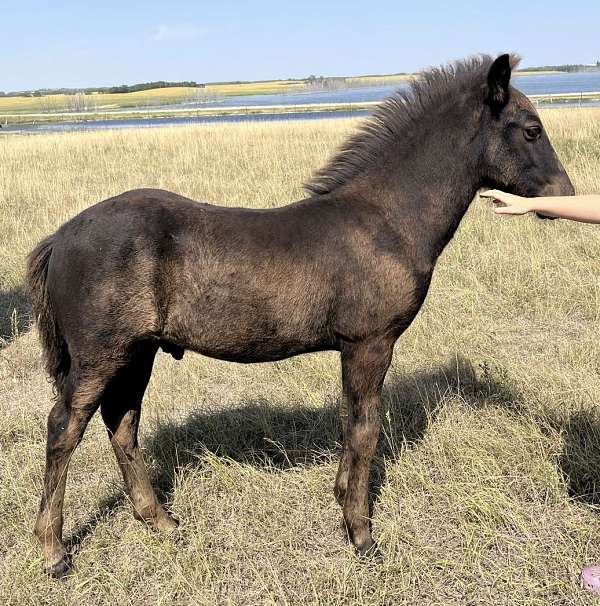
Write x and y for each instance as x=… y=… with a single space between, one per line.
x=585 y=209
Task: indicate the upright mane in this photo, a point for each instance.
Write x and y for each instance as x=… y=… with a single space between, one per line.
x=389 y=122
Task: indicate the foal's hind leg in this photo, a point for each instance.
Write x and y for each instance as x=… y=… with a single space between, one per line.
x=364 y=366
x=121 y=407
x=66 y=423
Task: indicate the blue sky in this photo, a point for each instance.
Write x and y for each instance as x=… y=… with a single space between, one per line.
x=58 y=43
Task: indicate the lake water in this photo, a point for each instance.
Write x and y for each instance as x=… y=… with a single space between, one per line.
x=548 y=84
x=545 y=84
x=54 y=127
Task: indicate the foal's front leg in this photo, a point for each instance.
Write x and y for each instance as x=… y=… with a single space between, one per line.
x=363 y=370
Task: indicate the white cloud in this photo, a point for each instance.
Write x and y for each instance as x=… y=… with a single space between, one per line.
x=175 y=32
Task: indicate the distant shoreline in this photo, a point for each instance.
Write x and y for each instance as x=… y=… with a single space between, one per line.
x=149 y=115
x=186 y=102
x=55 y=99
x=139 y=87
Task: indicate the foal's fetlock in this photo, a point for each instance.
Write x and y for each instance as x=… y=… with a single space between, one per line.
x=56 y=561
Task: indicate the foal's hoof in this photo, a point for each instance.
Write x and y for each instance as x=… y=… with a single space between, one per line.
x=158 y=520
x=166 y=524
x=370 y=551
x=59 y=570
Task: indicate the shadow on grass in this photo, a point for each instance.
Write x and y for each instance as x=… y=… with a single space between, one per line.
x=104 y=510
x=278 y=438
x=15 y=314
x=580 y=458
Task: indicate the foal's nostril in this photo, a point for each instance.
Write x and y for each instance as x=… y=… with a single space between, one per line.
x=566 y=187
x=559 y=186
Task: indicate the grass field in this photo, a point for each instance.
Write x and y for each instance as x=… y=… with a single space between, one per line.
x=486 y=484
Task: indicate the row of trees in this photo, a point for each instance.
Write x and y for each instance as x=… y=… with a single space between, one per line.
x=569 y=67
x=132 y=88
x=123 y=88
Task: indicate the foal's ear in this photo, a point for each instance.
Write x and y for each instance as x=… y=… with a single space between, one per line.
x=498 y=80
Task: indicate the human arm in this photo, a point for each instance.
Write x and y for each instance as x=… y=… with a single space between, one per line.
x=585 y=209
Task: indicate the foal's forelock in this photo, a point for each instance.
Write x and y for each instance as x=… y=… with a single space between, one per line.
x=390 y=123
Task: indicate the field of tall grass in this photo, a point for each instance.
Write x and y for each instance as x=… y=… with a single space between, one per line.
x=486 y=484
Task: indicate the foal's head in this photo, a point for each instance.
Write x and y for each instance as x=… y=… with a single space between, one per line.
x=466 y=112
x=517 y=155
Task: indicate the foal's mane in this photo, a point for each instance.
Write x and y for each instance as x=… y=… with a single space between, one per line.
x=389 y=122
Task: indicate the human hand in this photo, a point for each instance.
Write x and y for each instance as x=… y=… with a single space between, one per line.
x=508 y=204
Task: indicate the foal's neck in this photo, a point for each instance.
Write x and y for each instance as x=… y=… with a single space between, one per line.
x=425 y=186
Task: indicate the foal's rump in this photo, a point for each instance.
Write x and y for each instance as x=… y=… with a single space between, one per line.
x=152 y=265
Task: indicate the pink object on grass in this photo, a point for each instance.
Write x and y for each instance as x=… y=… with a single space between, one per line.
x=590 y=579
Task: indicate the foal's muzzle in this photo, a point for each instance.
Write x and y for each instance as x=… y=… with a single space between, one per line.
x=560 y=186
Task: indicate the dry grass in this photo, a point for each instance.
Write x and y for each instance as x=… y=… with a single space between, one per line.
x=485 y=488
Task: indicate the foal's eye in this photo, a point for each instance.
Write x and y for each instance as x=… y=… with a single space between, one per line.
x=532 y=133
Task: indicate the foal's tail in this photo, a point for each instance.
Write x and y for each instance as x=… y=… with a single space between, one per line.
x=56 y=353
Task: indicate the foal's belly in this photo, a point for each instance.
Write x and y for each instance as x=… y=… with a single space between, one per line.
x=253 y=350
x=257 y=352
x=248 y=332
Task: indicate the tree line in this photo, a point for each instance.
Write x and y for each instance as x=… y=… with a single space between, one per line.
x=569 y=67
x=123 y=88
